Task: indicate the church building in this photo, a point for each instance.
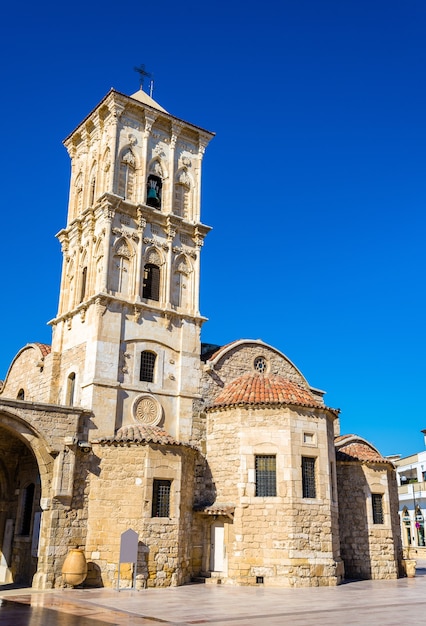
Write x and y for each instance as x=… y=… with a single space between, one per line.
x=223 y=459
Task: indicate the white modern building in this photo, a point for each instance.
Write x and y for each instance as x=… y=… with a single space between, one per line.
x=411 y=476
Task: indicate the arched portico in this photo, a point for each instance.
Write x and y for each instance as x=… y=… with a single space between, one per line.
x=20 y=512
x=38 y=452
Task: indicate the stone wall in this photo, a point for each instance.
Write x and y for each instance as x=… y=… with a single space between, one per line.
x=121 y=498
x=286 y=539
x=369 y=550
x=28 y=373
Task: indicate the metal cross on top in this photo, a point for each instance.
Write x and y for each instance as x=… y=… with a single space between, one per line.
x=144 y=74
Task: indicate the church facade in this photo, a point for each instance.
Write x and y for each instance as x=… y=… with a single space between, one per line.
x=224 y=460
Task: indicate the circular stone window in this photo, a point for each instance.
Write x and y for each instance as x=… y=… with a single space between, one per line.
x=260 y=364
x=147 y=410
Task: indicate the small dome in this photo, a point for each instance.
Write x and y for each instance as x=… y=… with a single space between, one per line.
x=141 y=434
x=255 y=388
x=355 y=448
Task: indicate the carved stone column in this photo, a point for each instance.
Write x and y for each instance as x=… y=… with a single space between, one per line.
x=108 y=217
x=141 y=224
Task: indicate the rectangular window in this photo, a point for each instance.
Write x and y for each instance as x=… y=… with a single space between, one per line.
x=377 y=503
x=266 y=475
x=147 y=366
x=161 y=498
x=308 y=477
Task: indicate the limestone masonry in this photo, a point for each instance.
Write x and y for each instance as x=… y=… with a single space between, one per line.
x=223 y=459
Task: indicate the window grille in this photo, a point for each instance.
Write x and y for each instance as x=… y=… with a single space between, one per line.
x=151 y=282
x=308 y=477
x=147 y=367
x=161 y=498
x=266 y=475
x=377 y=503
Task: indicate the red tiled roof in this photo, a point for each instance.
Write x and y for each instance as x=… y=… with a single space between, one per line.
x=44 y=348
x=138 y=433
x=255 y=388
x=227 y=509
x=354 y=448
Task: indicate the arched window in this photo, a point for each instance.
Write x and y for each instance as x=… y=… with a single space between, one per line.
x=181 y=200
x=78 y=206
x=21 y=395
x=126 y=180
x=406 y=521
x=420 y=527
x=180 y=295
x=92 y=191
x=121 y=268
x=27 y=509
x=147 y=366
x=182 y=194
x=92 y=184
x=83 y=284
x=151 y=282
x=70 y=389
x=154 y=191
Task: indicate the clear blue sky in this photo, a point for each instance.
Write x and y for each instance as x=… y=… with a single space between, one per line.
x=314 y=184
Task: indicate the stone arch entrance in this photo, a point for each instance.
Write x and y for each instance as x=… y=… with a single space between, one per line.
x=20 y=512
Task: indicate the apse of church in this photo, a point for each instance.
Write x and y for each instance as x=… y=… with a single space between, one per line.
x=222 y=459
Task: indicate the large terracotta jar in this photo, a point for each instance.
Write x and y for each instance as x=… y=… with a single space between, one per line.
x=74 y=569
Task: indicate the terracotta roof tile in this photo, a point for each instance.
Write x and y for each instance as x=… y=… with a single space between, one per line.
x=354 y=448
x=255 y=388
x=138 y=433
x=44 y=348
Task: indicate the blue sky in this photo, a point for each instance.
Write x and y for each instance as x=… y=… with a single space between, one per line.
x=314 y=183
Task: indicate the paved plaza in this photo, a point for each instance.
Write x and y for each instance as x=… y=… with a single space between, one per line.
x=382 y=603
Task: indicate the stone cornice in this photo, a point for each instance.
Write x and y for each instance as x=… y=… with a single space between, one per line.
x=135 y=309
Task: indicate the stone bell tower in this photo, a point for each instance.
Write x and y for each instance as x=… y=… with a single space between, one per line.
x=126 y=339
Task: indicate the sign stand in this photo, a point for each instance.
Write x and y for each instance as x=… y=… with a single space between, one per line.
x=128 y=554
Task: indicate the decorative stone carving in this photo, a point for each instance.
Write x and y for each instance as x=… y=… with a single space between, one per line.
x=129 y=158
x=153 y=257
x=183 y=178
x=100 y=306
x=182 y=266
x=147 y=410
x=125 y=232
x=123 y=250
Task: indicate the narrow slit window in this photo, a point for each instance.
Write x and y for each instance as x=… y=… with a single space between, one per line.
x=83 y=284
x=308 y=477
x=70 y=389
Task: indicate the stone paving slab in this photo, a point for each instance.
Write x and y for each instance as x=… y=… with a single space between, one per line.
x=383 y=603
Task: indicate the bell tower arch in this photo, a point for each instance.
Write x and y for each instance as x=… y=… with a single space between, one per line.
x=131 y=263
